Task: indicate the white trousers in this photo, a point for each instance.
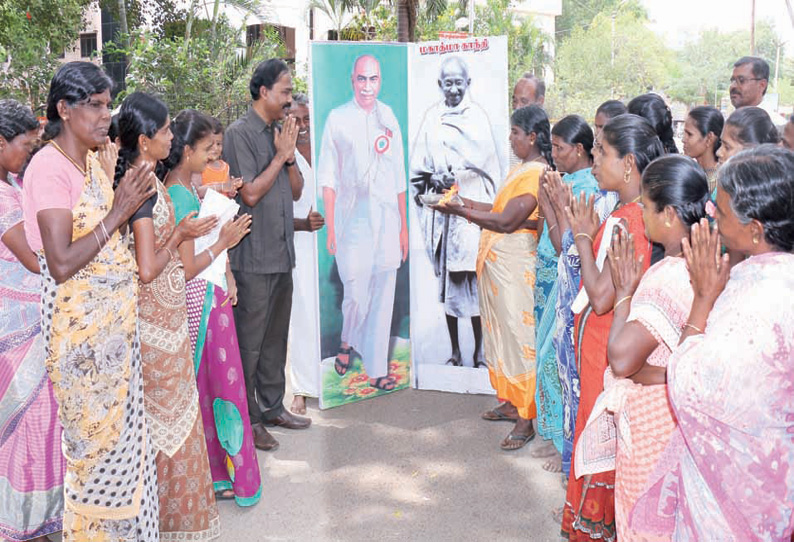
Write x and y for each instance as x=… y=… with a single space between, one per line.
x=368 y=300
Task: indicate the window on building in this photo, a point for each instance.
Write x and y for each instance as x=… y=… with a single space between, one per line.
x=285 y=34
x=88 y=47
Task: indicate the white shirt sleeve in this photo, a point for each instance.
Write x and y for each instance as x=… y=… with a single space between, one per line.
x=328 y=159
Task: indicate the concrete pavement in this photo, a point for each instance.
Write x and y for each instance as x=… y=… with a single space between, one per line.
x=414 y=465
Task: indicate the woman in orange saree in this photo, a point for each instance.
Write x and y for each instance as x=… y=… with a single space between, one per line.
x=506 y=273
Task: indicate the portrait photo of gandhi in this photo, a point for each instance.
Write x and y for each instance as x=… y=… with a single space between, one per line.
x=459 y=142
x=362 y=187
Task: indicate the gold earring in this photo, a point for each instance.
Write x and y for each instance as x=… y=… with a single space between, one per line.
x=627 y=176
x=667 y=223
x=755 y=240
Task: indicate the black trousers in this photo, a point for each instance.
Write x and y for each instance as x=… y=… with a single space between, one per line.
x=264 y=304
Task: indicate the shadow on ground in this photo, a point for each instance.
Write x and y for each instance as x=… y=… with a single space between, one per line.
x=413 y=465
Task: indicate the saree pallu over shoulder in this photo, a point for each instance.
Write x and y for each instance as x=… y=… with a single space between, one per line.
x=522 y=179
x=31 y=462
x=187 y=505
x=726 y=473
x=172 y=406
x=89 y=323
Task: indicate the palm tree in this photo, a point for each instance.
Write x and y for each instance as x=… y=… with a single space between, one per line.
x=335 y=10
x=407 y=14
x=247 y=6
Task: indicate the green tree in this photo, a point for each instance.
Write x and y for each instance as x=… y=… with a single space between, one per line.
x=527 y=45
x=33 y=34
x=581 y=13
x=702 y=71
x=200 y=74
x=596 y=63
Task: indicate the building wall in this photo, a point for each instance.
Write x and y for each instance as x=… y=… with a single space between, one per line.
x=92 y=24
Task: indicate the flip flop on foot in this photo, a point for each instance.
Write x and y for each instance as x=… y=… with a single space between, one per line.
x=343 y=361
x=553 y=465
x=546 y=449
x=496 y=415
x=516 y=442
x=385 y=383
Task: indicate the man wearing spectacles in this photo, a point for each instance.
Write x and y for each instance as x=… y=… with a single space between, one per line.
x=749 y=82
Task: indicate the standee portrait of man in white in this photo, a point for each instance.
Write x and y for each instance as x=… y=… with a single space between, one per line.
x=361 y=171
x=455 y=146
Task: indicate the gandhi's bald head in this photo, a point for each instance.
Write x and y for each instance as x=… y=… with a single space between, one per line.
x=454 y=80
x=366 y=81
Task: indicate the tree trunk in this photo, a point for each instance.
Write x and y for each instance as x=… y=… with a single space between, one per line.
x=123 y=19
x=215 y=11
x=406 y=20
x=191 y=15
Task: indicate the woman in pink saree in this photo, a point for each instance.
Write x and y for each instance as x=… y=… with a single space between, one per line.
x=650 y=311
x=726 y=474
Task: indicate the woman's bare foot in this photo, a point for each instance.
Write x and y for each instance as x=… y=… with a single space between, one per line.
x=298 y=405
x=519 y=436
x=554 y=464
x=544 y=449
x=556 y=514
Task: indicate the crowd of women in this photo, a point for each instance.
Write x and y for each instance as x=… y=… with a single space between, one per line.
x=635 y=301
x=123 y=407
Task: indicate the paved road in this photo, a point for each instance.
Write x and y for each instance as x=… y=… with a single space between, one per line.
x=414 y=465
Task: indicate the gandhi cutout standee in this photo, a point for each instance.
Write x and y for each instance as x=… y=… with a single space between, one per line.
x=455 y=146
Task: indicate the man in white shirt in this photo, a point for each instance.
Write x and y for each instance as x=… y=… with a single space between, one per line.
x=455 y=145
x=749 y=83
x=361 y=171
x=304 y=336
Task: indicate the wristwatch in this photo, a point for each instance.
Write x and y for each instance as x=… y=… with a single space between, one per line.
x=290 y=164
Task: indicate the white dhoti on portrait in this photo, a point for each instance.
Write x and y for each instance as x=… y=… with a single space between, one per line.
x=362 y=161
x=304 y=333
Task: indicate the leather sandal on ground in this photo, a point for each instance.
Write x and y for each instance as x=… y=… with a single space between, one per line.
x=341 y=367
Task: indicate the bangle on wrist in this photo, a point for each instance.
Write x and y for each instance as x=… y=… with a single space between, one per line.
x=552 y=227
x=692 y=326
x=104 y=231
x=621 y=300
x=208 y=250
x=98 y=244
x=289 y=163
x=582 y=234
x=170 y=254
